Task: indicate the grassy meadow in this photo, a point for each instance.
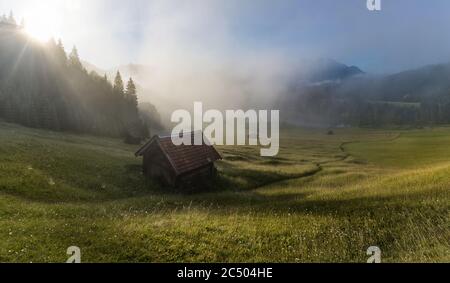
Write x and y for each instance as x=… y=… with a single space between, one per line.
x=324 y=198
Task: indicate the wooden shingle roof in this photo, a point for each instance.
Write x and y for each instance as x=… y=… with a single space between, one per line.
x=183 y=158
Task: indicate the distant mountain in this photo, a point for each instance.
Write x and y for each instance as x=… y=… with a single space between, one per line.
x=420 y=96
x=324 y=92
x=329 y=70
x=309 y=71
x=426 y=83
x=135 y=70
x=92 y=68
x=316 y=71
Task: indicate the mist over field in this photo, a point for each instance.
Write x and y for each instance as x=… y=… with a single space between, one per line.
x=248 y=55
x=200 y=51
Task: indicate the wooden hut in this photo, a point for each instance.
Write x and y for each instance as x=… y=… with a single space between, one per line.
x=178 y=165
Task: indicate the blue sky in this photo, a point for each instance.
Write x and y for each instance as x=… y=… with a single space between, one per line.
x=405 y=34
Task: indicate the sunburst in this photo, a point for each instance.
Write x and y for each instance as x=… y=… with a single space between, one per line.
x=43 y=20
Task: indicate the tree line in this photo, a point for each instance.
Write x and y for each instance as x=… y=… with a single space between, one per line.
x=415 y=98
x=43 y=87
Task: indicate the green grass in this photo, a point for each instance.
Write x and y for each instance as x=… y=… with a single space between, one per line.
x=414 y=148
x=323 y=199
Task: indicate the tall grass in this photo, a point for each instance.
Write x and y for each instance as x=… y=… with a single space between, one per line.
x=323 y=199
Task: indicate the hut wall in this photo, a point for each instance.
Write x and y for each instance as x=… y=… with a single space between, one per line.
x=157 y=167
x=198 y=175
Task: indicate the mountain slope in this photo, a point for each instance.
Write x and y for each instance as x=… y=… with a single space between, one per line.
x=40 y=87
x=328 y=70
x=413 y=97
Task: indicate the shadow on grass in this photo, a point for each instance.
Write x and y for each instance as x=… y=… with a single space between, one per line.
x=299 y=203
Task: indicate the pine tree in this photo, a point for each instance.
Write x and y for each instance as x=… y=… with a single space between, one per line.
x=11 y=19
x=118 y=83
x=52 y=43
x=74 y=59
x=131 y=88
x=45 y=93
x=131 y=95
x=61 y=53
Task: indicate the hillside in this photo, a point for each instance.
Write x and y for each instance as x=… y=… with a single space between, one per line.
x=325 y=70
x=323 y=199
x=373 y=100
x=327 y=93
x=42 y=87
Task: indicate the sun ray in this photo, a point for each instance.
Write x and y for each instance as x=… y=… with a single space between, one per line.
x=44 y=20
x=17 y=62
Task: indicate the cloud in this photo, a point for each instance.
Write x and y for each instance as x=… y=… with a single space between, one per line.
x=193 y=55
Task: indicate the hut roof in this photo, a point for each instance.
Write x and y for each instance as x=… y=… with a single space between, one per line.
x=183 y=158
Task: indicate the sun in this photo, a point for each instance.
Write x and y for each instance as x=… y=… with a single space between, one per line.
x=43 y=20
